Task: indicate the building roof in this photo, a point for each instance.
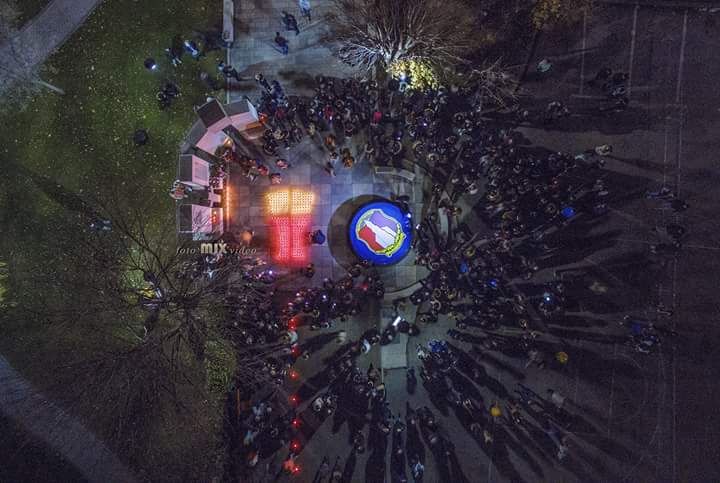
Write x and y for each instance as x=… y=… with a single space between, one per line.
x=237 y=107
x=211 y=113
x=194 y=170
x=194 y=218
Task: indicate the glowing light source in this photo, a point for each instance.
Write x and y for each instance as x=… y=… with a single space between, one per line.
x=281 y=237
x=302 y=202
x=289 y=212
x=226 y=193
x=278 y=202
x=294 y=321
x=289 y=202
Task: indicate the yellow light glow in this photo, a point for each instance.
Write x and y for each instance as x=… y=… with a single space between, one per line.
x=289 y=202
x=278 y=202
x=226 y=192
x=302 y=202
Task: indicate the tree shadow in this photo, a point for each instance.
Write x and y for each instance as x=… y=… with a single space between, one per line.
x=376 y=464
x=349 y=469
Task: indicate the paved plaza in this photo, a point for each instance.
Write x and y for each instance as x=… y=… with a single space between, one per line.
x=639 y=419
x=254 y=52
x=629 y=417
x=336 y=200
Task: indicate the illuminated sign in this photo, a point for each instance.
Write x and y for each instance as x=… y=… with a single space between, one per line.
x=289 y=214
x=381 y=233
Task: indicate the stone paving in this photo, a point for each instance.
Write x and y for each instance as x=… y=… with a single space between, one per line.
x=309 y=55
x=62 y=432
x=45 y=33
x=254 y=50
x=639 y=418
x=336 y=199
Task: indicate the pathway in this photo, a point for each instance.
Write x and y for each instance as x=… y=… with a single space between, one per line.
x=63 y=433
x=18 y=399
x=254 y=52
x=41 y=36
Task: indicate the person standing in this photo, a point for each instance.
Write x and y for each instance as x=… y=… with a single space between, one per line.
x=603 y=150
x=174 y=56
x=150 y=64
x=229 y=71
x=282 y=43
x=247 y=237
x=602 y=75
x=192 y=48
x=305 y=9
x=678 y=205
x=330 y=168
x=330 y=142
x=209 y=81
x=101 y=224
x=556 y=398
x=290 y=22
x=543 y=66
x=276 y=91
x=317 y=237
x=309 y=270
x=262 y=82
x=417 y=468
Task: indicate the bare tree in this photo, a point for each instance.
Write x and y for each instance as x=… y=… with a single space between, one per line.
x=493 y=85
x=373 y=34
x=140 y=315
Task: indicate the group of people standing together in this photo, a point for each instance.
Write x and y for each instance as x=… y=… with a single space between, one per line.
x=525 y=199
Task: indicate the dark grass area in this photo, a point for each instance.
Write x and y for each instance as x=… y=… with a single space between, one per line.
x=80 y=145
x=29 y=8
x=82 y=141
x=25 y=459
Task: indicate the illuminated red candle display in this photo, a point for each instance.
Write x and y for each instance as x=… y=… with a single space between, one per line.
x=289 y=214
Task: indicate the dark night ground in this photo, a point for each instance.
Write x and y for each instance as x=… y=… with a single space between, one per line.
x=642 y=418
x=25 y=458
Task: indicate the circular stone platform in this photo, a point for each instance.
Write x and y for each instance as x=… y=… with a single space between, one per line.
x=381 y=233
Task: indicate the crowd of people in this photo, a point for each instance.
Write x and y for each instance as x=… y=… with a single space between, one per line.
x=523 y=196
x=196 y=47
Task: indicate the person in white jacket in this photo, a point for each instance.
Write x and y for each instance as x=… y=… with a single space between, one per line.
x=305 y=9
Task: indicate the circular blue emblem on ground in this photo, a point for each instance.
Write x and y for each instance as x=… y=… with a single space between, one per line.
x=381 y=233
